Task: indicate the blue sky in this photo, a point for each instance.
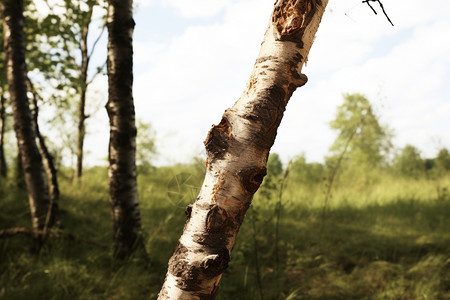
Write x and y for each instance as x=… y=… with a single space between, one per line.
x=193 y=59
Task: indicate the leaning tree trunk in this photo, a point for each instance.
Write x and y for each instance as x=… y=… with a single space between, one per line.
x=23 y=124
x=237 y=151
x=53 y=212
x=122 y=143
x=81 y=132
x=3 y=167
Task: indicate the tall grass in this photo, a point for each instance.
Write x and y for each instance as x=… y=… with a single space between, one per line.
x=384 y=237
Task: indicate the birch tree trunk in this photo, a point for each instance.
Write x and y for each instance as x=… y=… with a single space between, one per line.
x=3 y=167
x=12 y=11
x=237 y=152
x=53 y=212
x=122 y=143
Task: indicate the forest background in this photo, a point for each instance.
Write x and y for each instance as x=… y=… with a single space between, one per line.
x=364 y=216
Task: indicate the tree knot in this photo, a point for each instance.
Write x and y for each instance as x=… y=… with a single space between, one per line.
x=217 y=140
x=251 y=178
x=291 y=17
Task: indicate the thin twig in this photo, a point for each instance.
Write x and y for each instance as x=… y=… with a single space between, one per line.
x=97 y=40
x=382 y=8
x=255 y=251
x=373 y=9
x=96 y=73
x=335 y=169
x=277 y=225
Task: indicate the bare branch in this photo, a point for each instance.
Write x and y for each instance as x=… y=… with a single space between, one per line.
x=97 y=40
x=99 y=70
x=382 y=8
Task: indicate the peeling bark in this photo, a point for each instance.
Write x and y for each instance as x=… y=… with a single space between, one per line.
x=122 y=143
x=31 y=160
x=237 y=152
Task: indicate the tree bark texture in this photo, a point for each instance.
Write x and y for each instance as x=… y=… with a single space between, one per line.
x=23 y=125
x=237 y=152
x=122 y=143
x=83 y=90
x=53 y=213
x=3 y=166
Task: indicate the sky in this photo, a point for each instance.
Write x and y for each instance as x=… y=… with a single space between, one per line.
x=192 y=60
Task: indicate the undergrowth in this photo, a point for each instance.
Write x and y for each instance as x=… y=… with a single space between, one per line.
x=376 y=238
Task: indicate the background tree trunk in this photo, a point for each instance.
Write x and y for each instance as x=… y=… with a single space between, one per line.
x=122 y=143
x=31 y=159
x=3 y=166
x=53 y=213
x=237 y=152
x=83 y=89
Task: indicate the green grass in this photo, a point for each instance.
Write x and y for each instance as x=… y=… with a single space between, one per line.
x=377 y=238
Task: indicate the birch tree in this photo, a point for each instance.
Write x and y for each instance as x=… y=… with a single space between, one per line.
x=122 y=143
x=31 y=160
x=3 y=166
x=63 y=56
x=367 y=142
x=85 y=58
x=237 y=152
x=49 y=165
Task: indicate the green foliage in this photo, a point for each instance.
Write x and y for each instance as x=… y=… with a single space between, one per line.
x=145 y=146
x=442 y=160
x=53 y=41
x=387 y=239
x=271 y=180
x=274 y=165
x=408 y=162
x=54 y=44
x=361 y=137
x=306 y=173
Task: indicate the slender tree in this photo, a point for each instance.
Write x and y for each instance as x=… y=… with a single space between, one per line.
x=122 y=143
x=3 y=166
x=85 y=58
x=49 y=165
x=66 y=66
x=237 y=152
x=12 y=13
x=362 y=139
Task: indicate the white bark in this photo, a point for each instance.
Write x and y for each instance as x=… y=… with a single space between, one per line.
x=122 y=143
x=31 y=160
x=238 y=149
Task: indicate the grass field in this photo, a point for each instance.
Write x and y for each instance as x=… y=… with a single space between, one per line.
x=386 y=238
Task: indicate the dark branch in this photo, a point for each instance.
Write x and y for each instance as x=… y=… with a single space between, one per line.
x=97 y=40
x=382 y=8
x=99 y=70
x=368 y=3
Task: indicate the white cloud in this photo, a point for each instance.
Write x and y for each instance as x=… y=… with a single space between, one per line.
x=147 y=52
x=191 y=8
x=403 y=69
x=197 y=76
x=410 y=78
